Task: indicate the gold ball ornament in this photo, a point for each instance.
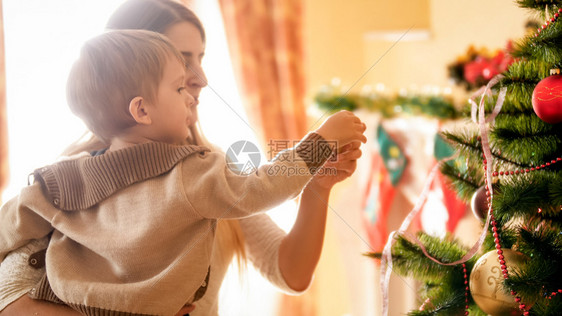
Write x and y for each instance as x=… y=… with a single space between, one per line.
x=486 y=283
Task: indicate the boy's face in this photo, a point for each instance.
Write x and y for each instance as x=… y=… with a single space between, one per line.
x=172 y=114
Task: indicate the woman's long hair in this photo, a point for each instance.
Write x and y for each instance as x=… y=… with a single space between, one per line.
x=159 y=16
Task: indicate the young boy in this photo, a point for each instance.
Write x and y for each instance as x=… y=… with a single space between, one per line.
x=132 y=227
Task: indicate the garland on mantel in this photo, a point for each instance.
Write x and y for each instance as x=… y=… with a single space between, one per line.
x=440 y=106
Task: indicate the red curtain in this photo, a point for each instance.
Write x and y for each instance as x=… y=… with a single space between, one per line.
x=265 y=42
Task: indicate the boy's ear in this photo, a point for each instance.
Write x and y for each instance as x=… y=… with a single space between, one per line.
x=139 y=111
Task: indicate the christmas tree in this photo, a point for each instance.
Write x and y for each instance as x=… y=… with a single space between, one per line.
x=511 y=172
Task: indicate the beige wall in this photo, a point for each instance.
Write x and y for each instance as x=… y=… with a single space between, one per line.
x=338 y=43
x=343 y=40
x=334 y=33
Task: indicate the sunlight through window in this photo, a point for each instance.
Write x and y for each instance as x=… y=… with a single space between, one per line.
x=43 y=38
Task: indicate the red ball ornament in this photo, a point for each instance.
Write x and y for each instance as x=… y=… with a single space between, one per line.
x=547 y=99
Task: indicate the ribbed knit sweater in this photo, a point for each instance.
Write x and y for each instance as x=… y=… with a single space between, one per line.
x=132 y=230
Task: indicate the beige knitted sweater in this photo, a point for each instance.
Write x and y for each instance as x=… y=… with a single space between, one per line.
x=132 y=230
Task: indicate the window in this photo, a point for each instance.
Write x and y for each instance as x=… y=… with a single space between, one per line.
x=42 y=39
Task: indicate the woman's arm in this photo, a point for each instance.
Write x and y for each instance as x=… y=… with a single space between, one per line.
x=288 y=260
x=299 y=251
x=28 y=306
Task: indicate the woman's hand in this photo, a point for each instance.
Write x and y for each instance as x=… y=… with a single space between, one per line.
x=339 y=169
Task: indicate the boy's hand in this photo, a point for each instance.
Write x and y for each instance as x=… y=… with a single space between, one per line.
x=340 y=169
x=343 y=127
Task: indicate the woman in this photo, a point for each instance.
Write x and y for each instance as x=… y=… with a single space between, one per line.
x=286 y=260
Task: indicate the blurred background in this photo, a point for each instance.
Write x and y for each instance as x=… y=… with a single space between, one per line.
x=276 y=69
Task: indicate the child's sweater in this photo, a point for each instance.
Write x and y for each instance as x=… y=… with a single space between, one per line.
x=132 y=230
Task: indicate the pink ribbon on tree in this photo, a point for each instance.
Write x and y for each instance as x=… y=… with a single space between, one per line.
x=482 y=121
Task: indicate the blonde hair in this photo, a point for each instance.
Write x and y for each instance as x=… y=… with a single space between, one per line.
x=112 y=69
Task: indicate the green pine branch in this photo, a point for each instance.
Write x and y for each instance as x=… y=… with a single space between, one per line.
x=409 y=260
x=546 y=307
x=539 y=5
x=443 y=306
x=526 y=138
x=443 y=285
x=468 y=144
x=546 y=47
x=521 y=196
x=543 y=273
x=522 y=124
x=507 y=236
x=465 y=183
x=520 y=79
